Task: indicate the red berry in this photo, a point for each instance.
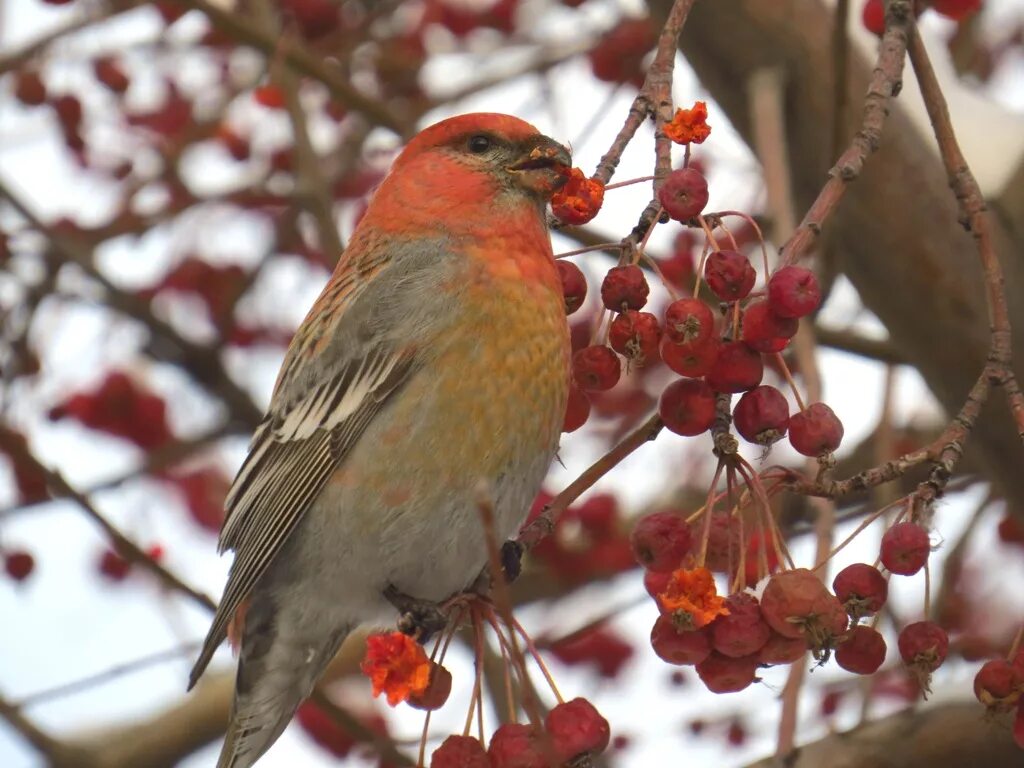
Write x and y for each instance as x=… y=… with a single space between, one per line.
x=113 y=566
x=69 y=112
x=598 y=647
x=861 y=589
x=577 y=409
x=679 y=646
x=577 y=728
x=1010 y=530
x=29 y=88
x=762 y=415
x=19 y=564
x=515 y=745
x=460 y=752
x=815 y=430
x=923 y=646
x=957 y=10
x=796 y=604
x=684 y=194
x=742 y=631
x=693 y=360
x=660 y=541
x=109 y=72
x=618 y=56
x=687 y=406
x=729 y=275
x=599 y=516
x=723 y=674
x=624 y=288
x=905 y=548
x=269 y=96
x=437 y=691
x=793 y=292
x=635 y=336
x=862 y=651
x=873 y=17
x=596 y=368
x=574 y=285
x=764 y=330
x=324 y=729
x=999 y=685
x=737 y=734
x=737 y=368
x=656 y=582
x=782 y=650
x=689 y=321
x=236 y=145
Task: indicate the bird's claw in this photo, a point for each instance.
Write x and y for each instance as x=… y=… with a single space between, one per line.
x=420 y=619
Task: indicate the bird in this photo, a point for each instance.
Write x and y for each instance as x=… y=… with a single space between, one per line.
x=434 y=363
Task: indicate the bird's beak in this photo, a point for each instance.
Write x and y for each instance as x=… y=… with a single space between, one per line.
x=544 y=168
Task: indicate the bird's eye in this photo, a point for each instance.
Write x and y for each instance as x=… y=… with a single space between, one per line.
x=479 y=143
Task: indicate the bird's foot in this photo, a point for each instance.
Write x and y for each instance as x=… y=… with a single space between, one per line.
x=420 y=619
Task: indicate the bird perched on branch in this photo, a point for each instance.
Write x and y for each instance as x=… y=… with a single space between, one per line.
x=435 y=360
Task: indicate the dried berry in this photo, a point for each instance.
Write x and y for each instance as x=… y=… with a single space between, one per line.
x=577 y=728
x=999 y=685
x=684 y=194
x=923 y=647
x=693 y=360
x=905 y=548
x=624 y=288
x=460 y=752
x=574 y=285
x=762 y=415
x=793 y=292
x=742 y=631
x=737 y=368
x=679 y=646
x=862 y=651
x=635 y=336
x=782 y=650
x=689 y=321
x=437 y=691
x=764 y=330
x=861 y=589
x=723 y=674
x=815 y=431
x=660 y=541
x=729 y=275
x=687 y=406
x=796 y=604
x=596 y=368
x=515 y=745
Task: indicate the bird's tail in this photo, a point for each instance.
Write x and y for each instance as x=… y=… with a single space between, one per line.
x=277 y=668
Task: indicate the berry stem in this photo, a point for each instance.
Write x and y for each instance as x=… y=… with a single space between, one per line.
x=1015 y=645
x=757 y=230
x=627 y=182
x=709 y=508
x=540 y=661
x=700 y=270
x=653 y=264
x=588 y=249
x=788 y=376
x=856 y=532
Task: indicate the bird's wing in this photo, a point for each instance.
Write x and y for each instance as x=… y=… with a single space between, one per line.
x=318 y=412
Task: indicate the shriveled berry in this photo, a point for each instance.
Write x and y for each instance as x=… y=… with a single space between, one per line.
x=660 y=540
x=780 y=649
x=861 y=588
x=737 y=368
x=796 y=604
x=999 y=685
x=729 y=275
x=679 y=646
x=596 y=368
x=577 y=728
x=793 y=292
x=624 y=288
x=574 y=285
x=923 y=647
x=460 y=752
x=684 y=194
x=635 y=336
x=762 y=415
x=905 y=548
x=689 y=321
x=19 y=564
x=862 y=651
x=816 y=430
x=741 y=632
x=516 y=745
x=687 y=406
x=723 y=674
x=693 y=360
x=577 y=409
x=764 y=330
x=437 y=691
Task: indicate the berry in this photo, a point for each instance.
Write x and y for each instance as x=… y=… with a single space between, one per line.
x=742 y=631
x=618 y=56
x=782 y=650
x=324 y=730
x=737 y=368
x=19 y=564
x=596 y=368
x=577 y=409
x=793 y=292
x=679 y=646
x=723 y=541
x=764 y=330
x=923 y=647
x=693 y=360
x=873 y=16
x=729 y=275
x=660 y=541
x=684 y=194
x=861 y=589
x=577 y=728
x=687 y=406
x=796 y=604
x=815 y=430
x=722 y=674
x=598 y=647
x=862 y=651
x=656 y=582
x=689 y=321
x=515 y=745
x=269 y=96
x=998 y=684
x=437 y=691
x=624 y=288
x=113 y=566
x=762 y=415
x=957 y=10
x=29 y=88
x=69 y=112
x=574 y=285
x=635 y=336
x=460 y=752
x=905 y=548
x=109 y=72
